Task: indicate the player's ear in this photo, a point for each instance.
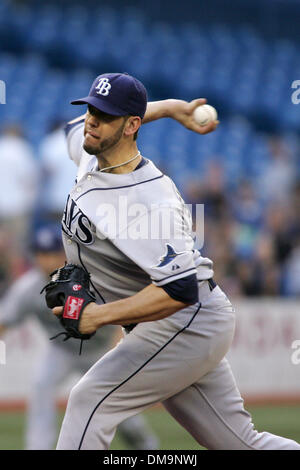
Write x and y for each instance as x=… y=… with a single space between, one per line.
x=132 y=125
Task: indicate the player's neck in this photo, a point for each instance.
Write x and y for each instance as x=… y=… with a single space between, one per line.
x=127 y=157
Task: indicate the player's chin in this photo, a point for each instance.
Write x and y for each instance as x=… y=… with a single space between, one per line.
x=91 y=149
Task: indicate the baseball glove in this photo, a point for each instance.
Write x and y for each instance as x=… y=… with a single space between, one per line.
x=70 y=287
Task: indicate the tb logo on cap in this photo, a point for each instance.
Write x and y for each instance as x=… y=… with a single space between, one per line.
x=103 y=87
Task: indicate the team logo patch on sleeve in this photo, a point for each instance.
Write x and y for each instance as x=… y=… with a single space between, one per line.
x=169 y=256
x=73 y=307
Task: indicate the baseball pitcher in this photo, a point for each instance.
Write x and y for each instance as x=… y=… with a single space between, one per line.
x=126 y=226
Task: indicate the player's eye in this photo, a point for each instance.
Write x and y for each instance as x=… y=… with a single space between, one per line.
x=92 y=111
x=107 y=118
x=100 y=115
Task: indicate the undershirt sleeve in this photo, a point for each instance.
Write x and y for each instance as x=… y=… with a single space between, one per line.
x=184 y=289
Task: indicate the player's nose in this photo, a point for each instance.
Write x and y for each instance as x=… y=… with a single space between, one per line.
x=93 y=121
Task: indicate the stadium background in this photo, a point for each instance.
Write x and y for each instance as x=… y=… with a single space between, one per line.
x=244 y=60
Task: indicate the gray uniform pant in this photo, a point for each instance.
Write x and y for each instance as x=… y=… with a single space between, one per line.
x=55 y=365
x=178 y=361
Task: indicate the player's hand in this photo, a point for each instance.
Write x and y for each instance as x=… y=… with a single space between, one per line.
x=89 y=321
x=182 y=111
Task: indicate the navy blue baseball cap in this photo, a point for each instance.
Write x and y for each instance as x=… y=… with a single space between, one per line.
x=47 y=238
x=117 y=94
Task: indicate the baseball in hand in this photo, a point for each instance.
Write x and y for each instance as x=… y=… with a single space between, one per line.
x=205 y=114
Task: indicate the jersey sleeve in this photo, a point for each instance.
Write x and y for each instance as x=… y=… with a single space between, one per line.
x=74 y=135
x=159 y=241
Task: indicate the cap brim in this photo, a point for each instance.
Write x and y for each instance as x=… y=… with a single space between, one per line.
x=103 y=106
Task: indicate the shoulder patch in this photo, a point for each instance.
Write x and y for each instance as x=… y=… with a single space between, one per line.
x=169 y=256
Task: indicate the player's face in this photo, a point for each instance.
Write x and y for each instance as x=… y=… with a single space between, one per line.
x=49 y=261
x=102 y=131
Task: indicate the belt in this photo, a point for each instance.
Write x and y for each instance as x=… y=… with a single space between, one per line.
x=129 y=328
x=212 y=284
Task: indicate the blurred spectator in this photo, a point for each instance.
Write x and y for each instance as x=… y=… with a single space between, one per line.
x=210 y=191
x=58 y=173
x=244 y=239
x=291 y=260
x=259 y=274
x=247 y=212
x=247 y=208
x=19 y=177
x=291 y=278
x=278 y=178
x=280 y=223
x=249 y=239
x=214 y=196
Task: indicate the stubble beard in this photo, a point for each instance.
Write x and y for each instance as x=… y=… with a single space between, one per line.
x=106 y=144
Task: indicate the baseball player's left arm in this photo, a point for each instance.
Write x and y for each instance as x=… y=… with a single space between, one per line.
x=151 y=303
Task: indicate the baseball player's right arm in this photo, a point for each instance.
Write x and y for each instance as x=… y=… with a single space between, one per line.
x=181 y=111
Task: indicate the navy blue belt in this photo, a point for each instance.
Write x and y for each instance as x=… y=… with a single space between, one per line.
x=211 y=284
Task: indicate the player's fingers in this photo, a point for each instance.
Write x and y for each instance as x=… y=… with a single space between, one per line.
x=57 y=310
x=195 y=103
x=205 y=129
x=212 y=126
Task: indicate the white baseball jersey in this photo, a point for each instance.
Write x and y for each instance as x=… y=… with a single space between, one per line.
x=126 y=245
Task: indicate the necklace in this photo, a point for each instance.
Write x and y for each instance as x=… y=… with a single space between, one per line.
x=121 y=164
